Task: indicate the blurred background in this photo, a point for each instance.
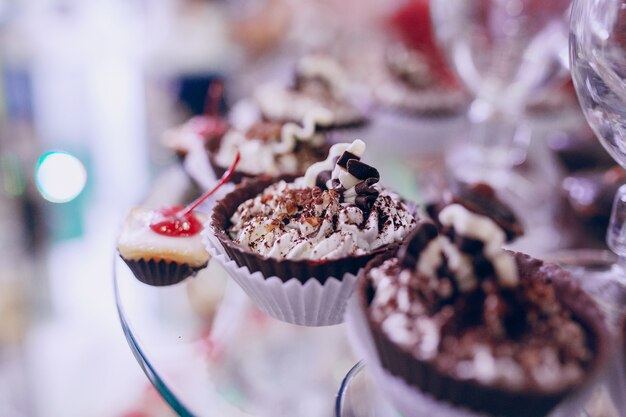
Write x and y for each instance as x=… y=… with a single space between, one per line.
x=86 y=89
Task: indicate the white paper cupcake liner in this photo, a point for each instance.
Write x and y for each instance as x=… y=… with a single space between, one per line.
x=308 y=304
x=408 y=400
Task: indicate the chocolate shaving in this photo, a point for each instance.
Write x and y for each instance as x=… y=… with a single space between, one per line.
x=345 y=157
x=366 y=194
x=415 y=243
x=361 y=170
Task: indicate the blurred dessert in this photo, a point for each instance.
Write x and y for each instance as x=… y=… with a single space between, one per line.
x=197 y=132
x=410 y=73
x=319 y=81
x=272 y=148
x=481 y=199
x=590 y=180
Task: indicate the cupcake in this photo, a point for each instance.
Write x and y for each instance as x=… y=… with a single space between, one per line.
x=160 y=247
x=272 y=148
x=462 y=324
x=319 y=81
x=295 y=244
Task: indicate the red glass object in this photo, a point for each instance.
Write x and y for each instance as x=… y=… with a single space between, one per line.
x=412 y=24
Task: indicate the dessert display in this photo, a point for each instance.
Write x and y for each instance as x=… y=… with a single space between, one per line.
x=272 y=148
x=290 y=240
x=319 y=81
x=164 y=246
x=471 y=325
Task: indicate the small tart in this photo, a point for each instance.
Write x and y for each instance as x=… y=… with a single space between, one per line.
x=158 y=259
x=137 y=241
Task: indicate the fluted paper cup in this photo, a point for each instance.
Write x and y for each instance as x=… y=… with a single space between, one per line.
x=305 y=303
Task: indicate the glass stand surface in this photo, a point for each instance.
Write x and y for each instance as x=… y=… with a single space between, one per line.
x=208 y=352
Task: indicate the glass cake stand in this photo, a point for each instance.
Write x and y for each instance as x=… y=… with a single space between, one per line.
x=208 y=352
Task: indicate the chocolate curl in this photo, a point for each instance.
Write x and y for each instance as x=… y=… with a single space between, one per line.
x=361 y=170
x=482 y=199
x=366 y=194
x=346 y=156
x=415 y=243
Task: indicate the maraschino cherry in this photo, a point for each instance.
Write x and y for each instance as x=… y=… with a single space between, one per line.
x=178 y=221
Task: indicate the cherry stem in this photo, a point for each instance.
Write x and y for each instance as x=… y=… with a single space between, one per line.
x=213 y=99
x=225 y=178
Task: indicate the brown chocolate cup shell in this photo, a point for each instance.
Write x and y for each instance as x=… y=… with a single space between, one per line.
x=490 y=399
x=285 y=269
x=160 y=273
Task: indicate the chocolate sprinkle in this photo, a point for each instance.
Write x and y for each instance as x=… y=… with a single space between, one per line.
x=361 y=170
x=345 y=158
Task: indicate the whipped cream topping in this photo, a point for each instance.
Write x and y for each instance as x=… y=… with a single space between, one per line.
x=483 y=229
x=468 y=247
x=138 y=241
x=301 y=220
x=275 y=152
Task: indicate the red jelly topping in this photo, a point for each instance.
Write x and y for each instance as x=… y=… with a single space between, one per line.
x=170 y=221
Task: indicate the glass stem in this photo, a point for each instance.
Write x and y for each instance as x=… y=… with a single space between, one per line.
x=616 y=234
x=497 y=136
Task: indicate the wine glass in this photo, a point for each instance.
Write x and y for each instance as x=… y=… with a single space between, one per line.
x=598 y=64
x=506 y=52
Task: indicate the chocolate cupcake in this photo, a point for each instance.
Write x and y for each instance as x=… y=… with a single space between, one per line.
x=307 y=237
x=319 y=81
x=272 y=148
x=160 y=251
x=466 y=324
